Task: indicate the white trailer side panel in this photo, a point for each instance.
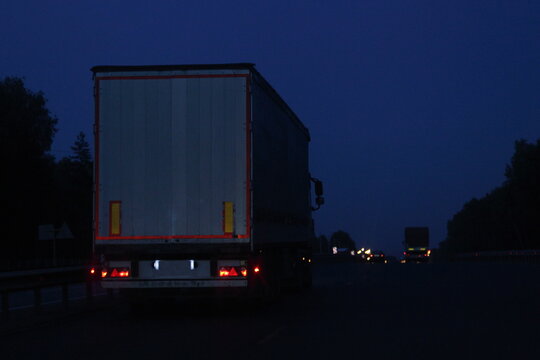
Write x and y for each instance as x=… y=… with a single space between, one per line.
x=171 y=149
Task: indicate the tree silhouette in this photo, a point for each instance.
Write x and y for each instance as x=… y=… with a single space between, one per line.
x=27 y=127
x=81 y=150
x=341 y=239
x=323 y=244
x=507 y=218
x=27 y=130
x=320 y=244
x=74 y=196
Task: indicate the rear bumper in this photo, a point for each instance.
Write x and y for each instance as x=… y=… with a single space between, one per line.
x=185 y=284
x=143 y=295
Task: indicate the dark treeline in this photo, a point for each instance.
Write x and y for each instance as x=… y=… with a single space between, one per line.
x=46 y=203
x=507 y=218
x=339 y=239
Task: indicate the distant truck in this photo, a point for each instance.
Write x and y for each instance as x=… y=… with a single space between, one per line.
x=202 y=184
x=416 y=245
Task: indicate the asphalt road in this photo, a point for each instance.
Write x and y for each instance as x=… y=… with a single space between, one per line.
x=396 y=311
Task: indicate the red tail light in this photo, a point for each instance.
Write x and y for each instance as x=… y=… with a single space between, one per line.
x=116 y=272
x=92 y=271
x=256 y=269
x=224 y=272
x=232 y=271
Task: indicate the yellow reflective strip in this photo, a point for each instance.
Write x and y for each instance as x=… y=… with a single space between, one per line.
x=228 y=217
x=115 y=227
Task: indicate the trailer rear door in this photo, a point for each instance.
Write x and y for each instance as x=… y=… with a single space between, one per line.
x=172 y=157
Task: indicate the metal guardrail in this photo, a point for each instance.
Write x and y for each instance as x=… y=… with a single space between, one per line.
x=509 y=256
x=18 y=265
x=37 y=280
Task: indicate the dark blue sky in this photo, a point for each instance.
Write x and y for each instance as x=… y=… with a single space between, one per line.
x=413 y=106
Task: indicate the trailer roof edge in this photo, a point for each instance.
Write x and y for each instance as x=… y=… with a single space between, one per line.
x=119 y=68
x=230 y=66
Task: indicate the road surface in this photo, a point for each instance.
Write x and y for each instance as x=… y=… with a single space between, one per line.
x=354 y=311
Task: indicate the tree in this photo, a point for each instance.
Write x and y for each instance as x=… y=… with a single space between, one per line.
x=81 y=150
x=341 y=239
x=523 y=181
x=507 y=217
x=27 y=129
x=320 y=244
x=74 y=196
x=323 y=243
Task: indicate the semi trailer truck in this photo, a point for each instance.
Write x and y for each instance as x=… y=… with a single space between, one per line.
x=416 y=245
x=202 y=183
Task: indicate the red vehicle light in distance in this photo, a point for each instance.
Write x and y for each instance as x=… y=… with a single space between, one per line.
x=115 y=273
x=232 y=271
